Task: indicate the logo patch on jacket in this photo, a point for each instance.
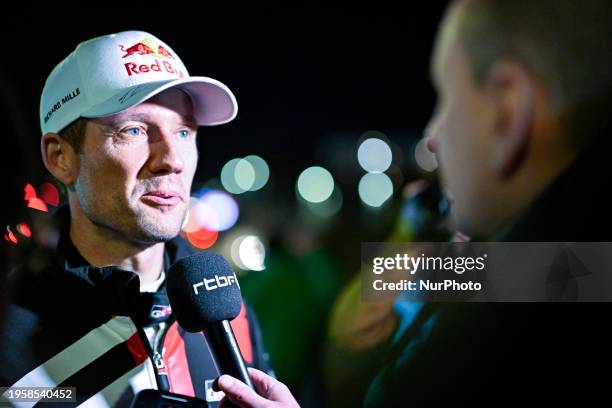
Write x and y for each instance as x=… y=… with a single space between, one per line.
x=160 y=311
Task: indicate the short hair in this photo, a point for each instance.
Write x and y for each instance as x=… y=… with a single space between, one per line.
x=566 y=43
x=74 y=134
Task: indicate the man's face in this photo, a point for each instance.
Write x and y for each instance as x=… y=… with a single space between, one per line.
x=136 y=168
x=460 y=134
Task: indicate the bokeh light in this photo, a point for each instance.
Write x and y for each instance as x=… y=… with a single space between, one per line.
x=375 y=189
x=315 y=184
x=24 y=229
x=424 y=158
x=49 y=194
x=216 y=210
x=244 y=174
x=203 y=216
x=10 y=237
x=29 y=192
x=374 y=155
x=327 y=208
x=248 y=174
x=228 y=177
x=210 y=212
x=262 y=171
x=37 y=204
x=248 y=253
x=202 y=238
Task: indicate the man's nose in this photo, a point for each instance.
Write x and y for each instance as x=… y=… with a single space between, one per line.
x=166 y=155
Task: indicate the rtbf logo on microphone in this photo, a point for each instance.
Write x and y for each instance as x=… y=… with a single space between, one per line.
x=215 y=283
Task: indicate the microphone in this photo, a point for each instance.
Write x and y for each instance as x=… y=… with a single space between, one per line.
x=205 y=295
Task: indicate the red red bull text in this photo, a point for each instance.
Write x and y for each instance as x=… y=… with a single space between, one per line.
x=157 y=66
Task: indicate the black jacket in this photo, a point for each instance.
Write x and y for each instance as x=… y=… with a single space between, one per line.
x=72 y=324
x=495 y=354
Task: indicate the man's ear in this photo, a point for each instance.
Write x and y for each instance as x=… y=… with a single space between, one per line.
x=60 y=158
x=510 y=86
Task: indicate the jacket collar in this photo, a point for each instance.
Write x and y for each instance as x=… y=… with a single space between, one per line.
x=117 y=289
x=574 y=207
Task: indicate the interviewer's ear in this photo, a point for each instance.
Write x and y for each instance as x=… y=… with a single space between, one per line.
x=60 y=158
x=510 y=85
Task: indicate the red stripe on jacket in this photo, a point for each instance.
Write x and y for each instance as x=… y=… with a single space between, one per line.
x=137 y=349
x=240 y=326
x=175 y=358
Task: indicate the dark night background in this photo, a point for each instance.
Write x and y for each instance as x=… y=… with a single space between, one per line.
x=297 y=78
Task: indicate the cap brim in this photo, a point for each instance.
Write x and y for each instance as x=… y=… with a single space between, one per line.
x=213 y=102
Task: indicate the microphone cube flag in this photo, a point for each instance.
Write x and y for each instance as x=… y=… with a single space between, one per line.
x=203 y=289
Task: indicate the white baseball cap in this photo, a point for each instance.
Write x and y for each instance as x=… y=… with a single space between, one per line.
x=109 y=74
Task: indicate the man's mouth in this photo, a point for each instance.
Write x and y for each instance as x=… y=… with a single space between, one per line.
x=159 y=197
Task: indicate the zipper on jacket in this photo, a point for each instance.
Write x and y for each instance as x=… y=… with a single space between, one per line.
x=161 y=371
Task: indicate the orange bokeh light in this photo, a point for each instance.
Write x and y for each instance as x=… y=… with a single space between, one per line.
x=202 y=238
x=24 y=229
x=10 y=237
x=49 y=194
x=37 y=204
x=29 y=191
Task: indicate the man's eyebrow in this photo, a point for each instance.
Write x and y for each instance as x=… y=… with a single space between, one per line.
x=190 y=120
x=118 y=120
x=134 y=116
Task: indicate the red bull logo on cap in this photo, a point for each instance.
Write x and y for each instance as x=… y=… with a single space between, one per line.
x=149 y=47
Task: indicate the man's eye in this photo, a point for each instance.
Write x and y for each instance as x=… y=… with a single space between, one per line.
x=184 y=134
x=133 y=131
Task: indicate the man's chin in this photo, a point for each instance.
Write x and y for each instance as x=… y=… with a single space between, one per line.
x=152 y=230
x=157 y=225
x=148 y=236
x=169 y=215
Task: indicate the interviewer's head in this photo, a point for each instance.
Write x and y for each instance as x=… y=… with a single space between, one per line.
x=522 y=88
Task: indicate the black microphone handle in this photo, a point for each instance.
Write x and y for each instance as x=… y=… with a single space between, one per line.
x=220 y=337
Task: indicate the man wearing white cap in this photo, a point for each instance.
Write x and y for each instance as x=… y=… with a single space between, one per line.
x=130 y=165
x=119 y=118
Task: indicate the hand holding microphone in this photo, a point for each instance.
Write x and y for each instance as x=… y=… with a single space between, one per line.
x=271 y=393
